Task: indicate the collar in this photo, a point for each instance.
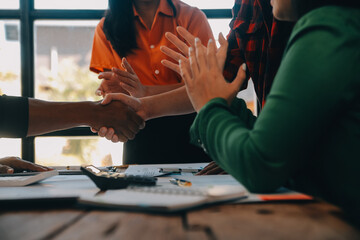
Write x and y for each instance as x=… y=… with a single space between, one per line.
x=163 y=8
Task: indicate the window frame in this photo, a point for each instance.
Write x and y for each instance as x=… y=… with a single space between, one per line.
x=27 y=15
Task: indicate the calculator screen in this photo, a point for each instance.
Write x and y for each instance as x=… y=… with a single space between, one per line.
x=93 y=169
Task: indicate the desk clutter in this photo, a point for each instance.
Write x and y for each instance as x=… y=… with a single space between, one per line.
x=171 y=192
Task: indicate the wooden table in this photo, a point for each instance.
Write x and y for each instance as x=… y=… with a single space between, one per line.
x=304 y=220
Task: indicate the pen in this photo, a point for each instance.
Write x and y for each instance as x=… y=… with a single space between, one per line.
x=180 y=182
x=179 y=170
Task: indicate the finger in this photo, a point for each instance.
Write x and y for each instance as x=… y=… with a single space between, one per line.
x=139 y=121
x=214 y=171
x=25 y=165
x=211 y=165
x=200 y=54
x=127 y=81
x=6 y=169
x=93 y=130
x=132 y=102
x=172 y=54
x=130 y=89
x=127 y=66
x=127 y=133
x=115 y=139
x=135 y=125
x=222 y=39
x=105 y=75
x=193 y=63
x=120 y=75
x=171 y=65
x=211 y=55
x=98 y=91
x=185 y=74
x=109 y=134
x=240 y=78
x=186 y=35
x=102 y=132
x=121 y=137
x=222 y=51
x=178 y=43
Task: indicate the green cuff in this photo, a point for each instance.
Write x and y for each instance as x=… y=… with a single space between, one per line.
x=199 y=126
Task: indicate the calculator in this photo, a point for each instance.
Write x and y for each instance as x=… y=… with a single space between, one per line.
x=114 y=180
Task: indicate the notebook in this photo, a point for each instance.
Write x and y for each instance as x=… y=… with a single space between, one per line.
x=165 y=198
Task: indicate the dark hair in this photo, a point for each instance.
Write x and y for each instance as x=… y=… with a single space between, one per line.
x=304 y=6
x=119 y=26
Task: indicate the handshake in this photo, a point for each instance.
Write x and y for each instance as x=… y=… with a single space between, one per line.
x=145 y=102
x=123 y=116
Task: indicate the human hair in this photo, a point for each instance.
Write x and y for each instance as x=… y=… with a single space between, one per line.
x=304 y=6
x=119 y=26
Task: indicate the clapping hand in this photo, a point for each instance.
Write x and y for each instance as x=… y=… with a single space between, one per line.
x=120 y=81
x=184 y=49
x=205 y=81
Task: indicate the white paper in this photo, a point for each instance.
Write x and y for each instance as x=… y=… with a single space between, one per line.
x=154 y=169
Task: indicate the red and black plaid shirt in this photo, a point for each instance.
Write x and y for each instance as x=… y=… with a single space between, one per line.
x=257 y=39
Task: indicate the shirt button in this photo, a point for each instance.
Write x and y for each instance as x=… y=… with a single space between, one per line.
x=152 y=46
x=157 y=72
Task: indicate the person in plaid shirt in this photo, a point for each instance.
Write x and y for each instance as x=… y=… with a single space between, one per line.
x=257 y=39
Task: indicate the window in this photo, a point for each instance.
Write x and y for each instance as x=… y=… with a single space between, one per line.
x=51 y=43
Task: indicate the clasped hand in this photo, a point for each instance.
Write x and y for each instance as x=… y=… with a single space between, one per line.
x=201 y=69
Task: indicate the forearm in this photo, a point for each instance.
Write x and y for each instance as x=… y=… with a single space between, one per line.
x=47 y=116
x=158 y=89
x=229 y=141
x=175 y=102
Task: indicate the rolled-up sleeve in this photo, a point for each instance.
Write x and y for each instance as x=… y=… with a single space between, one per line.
x=14 y=116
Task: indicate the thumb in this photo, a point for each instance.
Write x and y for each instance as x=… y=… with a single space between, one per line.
x=127 y=66
x=240 y=77
x=132 y=102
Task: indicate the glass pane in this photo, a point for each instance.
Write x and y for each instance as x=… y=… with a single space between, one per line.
x=75 y=151
x=210 y=4
x=10 y=57
x=10 y=147
x=9 y=4
x=62 y=58
x=249 y=97
x=219 y=25
x=71 y=4
x=10 y=75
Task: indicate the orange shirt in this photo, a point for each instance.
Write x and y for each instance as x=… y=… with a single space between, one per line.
x=146 y=60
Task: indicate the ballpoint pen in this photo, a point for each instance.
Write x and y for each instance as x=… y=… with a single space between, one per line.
x=179 y=170
x=180 y=182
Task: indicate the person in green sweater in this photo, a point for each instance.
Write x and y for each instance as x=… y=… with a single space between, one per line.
x=307 y=136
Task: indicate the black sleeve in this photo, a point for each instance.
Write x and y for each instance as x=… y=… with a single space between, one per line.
x=14 y=116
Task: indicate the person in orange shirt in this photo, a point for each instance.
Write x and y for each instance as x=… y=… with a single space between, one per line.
x=126 y=54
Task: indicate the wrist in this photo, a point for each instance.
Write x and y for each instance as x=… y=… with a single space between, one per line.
x=92 y=113
x=145 y=112
x=146 y=91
